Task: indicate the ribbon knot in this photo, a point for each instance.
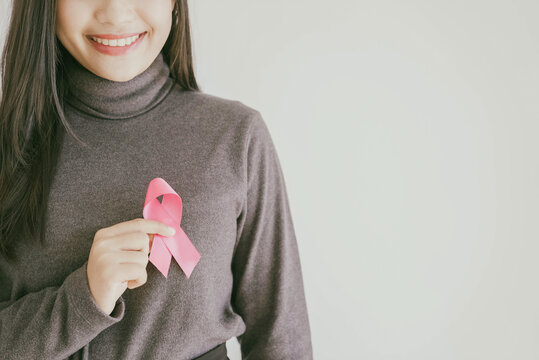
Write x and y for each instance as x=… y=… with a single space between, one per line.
x=168 y=211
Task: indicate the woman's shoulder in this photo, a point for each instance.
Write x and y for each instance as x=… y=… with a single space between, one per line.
x=213 y=108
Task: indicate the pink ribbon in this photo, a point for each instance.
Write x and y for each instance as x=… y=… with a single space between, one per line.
x=168 y=211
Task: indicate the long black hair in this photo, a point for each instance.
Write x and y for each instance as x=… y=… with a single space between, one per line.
x=32 y=120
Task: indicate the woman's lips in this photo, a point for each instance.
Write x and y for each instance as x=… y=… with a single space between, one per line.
x=117 y=50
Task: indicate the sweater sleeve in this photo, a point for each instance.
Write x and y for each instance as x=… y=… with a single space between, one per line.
x=55 y=322
x=268 y=290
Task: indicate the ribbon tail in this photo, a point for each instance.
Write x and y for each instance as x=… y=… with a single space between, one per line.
x=183 y=250
x=160 y=256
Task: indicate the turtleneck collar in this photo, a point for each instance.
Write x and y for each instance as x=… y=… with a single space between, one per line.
x=106 y=99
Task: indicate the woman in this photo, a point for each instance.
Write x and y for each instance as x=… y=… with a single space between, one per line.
x=117 y=76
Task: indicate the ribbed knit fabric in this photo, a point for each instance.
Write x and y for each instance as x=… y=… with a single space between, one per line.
x=217 y=154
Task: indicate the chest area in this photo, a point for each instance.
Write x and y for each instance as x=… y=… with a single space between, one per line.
x=106 y=184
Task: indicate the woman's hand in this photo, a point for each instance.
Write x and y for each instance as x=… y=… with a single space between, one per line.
x=118 y=259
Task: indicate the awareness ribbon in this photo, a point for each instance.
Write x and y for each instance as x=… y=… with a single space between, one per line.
x=168 y=211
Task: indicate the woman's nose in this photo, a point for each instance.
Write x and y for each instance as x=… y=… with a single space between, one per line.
x=117 y=13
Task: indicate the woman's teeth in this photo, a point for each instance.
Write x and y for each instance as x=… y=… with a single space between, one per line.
x=116 y=42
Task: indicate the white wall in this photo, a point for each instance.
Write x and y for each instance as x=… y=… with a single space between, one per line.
x=407 y=132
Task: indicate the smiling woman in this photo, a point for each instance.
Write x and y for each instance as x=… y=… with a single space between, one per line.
x=79 y=20
x=119 y=73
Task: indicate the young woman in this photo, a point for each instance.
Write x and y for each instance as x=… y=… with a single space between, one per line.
x=75 y=281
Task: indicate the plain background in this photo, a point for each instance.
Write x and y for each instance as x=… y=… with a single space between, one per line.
x=408 y=135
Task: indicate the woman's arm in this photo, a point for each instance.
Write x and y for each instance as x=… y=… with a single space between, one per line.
x=268 y=287
x=55 y=322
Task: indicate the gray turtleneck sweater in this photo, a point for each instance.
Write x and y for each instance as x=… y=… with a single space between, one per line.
x=217 y=154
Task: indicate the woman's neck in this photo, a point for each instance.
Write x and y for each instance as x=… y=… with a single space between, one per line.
x=112 y=100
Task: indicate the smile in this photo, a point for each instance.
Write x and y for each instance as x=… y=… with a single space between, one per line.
x=116 y=47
